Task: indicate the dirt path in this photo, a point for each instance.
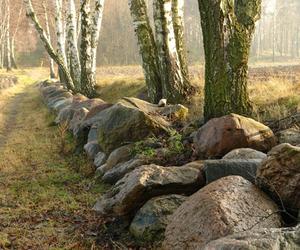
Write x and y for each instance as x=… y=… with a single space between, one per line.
x=45 y=196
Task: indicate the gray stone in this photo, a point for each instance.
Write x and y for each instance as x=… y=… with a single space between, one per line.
x=216 y=169
x=62 y=104
x=92 y=149
x=100 y=159
x=263 y=239
x=245 y=154
x=119 y=171
x=151 y=220
x=144 y=183
x=92 y=135
x=119 y=155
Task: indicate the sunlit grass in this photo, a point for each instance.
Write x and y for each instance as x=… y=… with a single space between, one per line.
x=274 y=93
x=46 y=196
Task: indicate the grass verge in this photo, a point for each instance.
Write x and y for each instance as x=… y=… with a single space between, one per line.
x=45 y=201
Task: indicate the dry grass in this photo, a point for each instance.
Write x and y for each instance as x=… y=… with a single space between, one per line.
x=274 y=88
x=45 y=196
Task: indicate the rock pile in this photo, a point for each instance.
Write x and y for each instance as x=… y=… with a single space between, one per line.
x=211 y=203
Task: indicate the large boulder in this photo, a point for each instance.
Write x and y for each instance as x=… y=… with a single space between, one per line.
x=226 y=206
x=263 y=239
x=279 y=174
x=145 y=182
x=245 y=154
x=221 y=135
x=150 y=221
x=130 y=120
x=216 y=169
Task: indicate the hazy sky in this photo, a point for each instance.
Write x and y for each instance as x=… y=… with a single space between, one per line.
x=271 y=5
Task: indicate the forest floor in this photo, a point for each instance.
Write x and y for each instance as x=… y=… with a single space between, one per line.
x=46 y=193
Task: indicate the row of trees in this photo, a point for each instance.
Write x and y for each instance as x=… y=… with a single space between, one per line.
x=76 y=61
x=227 y=26
x=8 y=31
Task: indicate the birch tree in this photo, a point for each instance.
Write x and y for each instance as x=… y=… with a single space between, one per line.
x=88 y=81
x=8 y=46
x=61 y=48
x=47 y=44
x=51 y=61
x=13 y=38
x=175 y=84
x=178 y=23
x=96 y=27
x=227 y=28
x=72 y=45
x=163 y=55
x=147 y=48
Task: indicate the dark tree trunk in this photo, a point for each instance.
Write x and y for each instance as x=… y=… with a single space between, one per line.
x=228 y=27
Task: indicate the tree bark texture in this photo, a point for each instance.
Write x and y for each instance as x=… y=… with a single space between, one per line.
x=147 y=48
x=88 y=81
x=228 y=27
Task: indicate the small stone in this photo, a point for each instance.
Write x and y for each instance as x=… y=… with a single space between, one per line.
x=151 y=220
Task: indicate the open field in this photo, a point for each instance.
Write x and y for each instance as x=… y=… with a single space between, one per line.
x=274 y=89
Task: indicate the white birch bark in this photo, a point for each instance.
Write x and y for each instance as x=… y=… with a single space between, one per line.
x=61 y=49
x=96 y=28
x=8 y=46
x=88 y=81
x=13 y=38
x=178 y=23
x=147 y=48
x=47 y=44
x=51 y=62
x=170 y=68
x=72 y=45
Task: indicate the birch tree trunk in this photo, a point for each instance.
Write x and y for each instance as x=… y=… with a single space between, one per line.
x=175 y=88
x=61 y=48
x=147 y=48
x=227 y=28
x=12 y=54
x=178 y=23
x=8 y=46
x=88 y=81
x=72 y=46
x=2 y=55
x=47 y=44
x=96 y=27
x=51 y=62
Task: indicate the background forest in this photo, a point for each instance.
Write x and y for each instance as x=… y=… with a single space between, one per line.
x=276 y=37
